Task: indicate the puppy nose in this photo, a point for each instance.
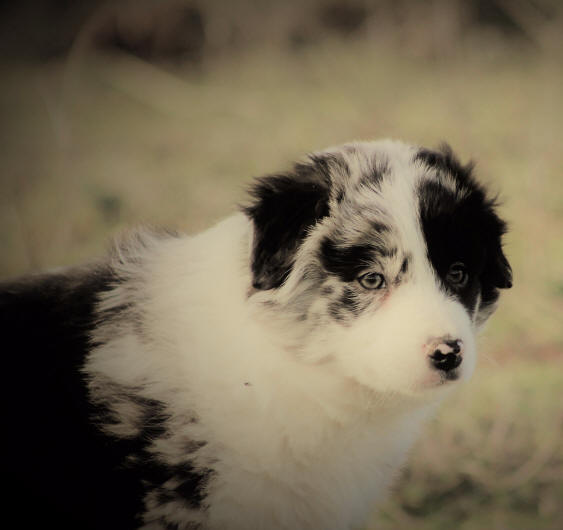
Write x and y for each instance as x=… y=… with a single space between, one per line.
x=447 y=354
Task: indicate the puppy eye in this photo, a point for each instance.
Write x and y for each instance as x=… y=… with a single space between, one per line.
x=372 y=280
x=457 y=275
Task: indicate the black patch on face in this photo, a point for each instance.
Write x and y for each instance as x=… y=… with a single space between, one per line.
x=285 y=207
x=465 y=228
x=347 y=262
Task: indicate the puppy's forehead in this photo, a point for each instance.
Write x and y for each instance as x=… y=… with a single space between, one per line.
x=386 y=177
x=373 y=219
x=385 y=194
x=373 y=185
x=365 y=164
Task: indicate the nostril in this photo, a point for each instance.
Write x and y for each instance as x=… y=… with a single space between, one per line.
x=447 y=355
x=455 y=345
x=438 y=356
x=445 y=361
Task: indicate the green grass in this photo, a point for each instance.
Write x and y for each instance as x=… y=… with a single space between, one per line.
x=104 y=145
x=493 y=459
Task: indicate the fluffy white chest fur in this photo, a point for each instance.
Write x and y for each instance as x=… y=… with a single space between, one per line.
x=272 y=372
x=293 y=446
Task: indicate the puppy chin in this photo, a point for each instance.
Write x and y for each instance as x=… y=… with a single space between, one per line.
x=434 y=380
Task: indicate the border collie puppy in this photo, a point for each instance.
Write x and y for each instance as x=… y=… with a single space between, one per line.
x=270 y=373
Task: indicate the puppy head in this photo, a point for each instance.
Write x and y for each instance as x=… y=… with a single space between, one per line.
x=381 y=259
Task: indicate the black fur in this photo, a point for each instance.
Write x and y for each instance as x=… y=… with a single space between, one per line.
x=462 y=226
x=443 y=160
x=349 y=261
x=60 y=470
x=285 y=207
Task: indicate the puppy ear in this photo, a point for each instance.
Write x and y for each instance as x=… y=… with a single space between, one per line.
x=499 y=270
x=284 y=207
x=497 y=273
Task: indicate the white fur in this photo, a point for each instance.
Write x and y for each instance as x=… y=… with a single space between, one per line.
x=304 y=425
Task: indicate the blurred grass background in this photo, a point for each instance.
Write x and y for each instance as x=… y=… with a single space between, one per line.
x=161 y=112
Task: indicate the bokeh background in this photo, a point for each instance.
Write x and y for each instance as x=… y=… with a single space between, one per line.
x=120 y=113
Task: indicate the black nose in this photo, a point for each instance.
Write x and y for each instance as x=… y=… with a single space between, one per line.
x=447 y=355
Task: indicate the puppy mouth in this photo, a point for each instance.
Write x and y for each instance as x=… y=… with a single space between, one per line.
x=452 y=375
x=441 y=379
x=448 y=369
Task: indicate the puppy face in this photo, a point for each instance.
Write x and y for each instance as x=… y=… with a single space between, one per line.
x=381 y=260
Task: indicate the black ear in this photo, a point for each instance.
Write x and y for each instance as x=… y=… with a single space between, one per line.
x=284 y=207
x=497 y=273
x=499 y=270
